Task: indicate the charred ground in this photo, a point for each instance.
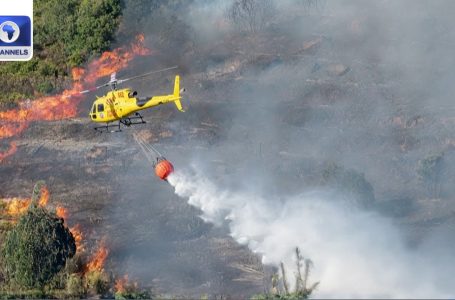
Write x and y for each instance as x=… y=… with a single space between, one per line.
x=313 y=101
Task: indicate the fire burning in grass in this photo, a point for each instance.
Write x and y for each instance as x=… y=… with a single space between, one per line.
x=15 y=207
x=98 y=259
x=61 y=212
x=77 y=234
x=91 y=271
x=88 y=269
x=44 y=198
x=12 y=149
x=124 y=289
x=64 y=105
x=120 y=284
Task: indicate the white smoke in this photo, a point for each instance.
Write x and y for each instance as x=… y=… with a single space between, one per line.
x=355 y=253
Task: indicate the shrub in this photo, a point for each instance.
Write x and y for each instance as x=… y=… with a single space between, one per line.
x=74 y=285
x=75 y=264
x=97 y=282
x=37 y=248
x=44 y=87
x=132 y=294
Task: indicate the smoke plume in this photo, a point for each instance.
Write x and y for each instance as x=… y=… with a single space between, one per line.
x=355 y=253
x=359 y=84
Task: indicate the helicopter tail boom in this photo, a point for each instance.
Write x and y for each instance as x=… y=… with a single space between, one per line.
x=158 y=100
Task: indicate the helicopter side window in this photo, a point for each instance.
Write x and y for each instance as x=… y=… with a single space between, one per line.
x=100 y=107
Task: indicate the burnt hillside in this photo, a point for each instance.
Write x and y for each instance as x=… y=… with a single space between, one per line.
x=351 y=98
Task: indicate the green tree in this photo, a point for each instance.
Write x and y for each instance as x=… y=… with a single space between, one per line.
x=95 y=26
x=37 y=248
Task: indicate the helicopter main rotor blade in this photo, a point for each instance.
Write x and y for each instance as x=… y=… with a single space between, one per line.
x=94 y=88
x=84 y=91
x=88 y=91
x=115 y=81
x=146 y=74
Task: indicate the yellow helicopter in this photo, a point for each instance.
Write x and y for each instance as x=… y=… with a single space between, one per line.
x=120 y=105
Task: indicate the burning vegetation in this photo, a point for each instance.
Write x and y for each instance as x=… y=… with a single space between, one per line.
x=78 y=237
x=97 y=261
x=85 y=272
x=11 y=150
x=29 y=251
x=65 y=105
x=61 y=212
x=15 y=207
x=314 y=95
x=124 y=289
x=87 y=265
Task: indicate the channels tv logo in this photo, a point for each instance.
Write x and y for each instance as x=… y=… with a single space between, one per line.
x=15 y=38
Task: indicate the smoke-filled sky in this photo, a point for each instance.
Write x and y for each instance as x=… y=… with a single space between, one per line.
x=285 y=113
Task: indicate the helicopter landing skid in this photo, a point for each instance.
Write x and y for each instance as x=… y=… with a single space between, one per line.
x=128 y=121
x=109 y=128
x=132 y=120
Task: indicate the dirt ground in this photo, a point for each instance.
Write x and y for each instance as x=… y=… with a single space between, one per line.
x=240 y=123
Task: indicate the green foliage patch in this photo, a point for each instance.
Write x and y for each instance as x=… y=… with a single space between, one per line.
x=37 y=248
x=66 y=34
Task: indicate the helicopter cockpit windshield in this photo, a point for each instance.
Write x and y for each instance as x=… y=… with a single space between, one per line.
x=93 y=112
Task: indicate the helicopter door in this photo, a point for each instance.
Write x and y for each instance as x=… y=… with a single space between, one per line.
x=94 y=112
x=101 y=110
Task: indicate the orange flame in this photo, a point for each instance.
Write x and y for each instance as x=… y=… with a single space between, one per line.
x=120 y=284
x=15 y=207
x=61 y=212
x=76 y=231
x=58 y=107
x=77 y=73
x=123 y=285
x=12 y=149
x=77 y=234
x=138 y=46
x=97 y=261
x=116 y=60
x=44 y=198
